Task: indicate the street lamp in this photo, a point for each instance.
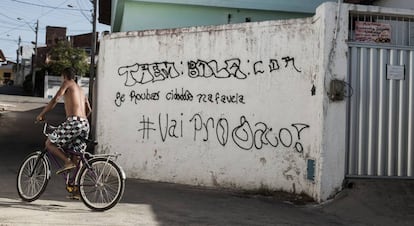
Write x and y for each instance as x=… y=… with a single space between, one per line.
x=34 y=59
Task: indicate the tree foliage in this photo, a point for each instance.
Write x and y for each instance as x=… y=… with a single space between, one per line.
x=64 y=55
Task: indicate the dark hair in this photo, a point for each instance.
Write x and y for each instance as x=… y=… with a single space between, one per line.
x=69 y=73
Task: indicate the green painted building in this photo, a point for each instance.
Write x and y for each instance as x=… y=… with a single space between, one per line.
x=133 y=15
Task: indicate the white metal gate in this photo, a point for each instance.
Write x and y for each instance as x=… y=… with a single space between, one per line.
x=381 y=109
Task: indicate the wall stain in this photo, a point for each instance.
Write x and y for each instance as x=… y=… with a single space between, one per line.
x=263 y=161
x=214 y=179
x=286 y=173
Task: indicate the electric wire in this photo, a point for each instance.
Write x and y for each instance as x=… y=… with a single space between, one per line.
x=48 y=6
x=349 y=91
x=19 y=28
x=51 y=10
x=8 y=17
x=12 y=40
x=44 y=14
x=13 y=27
x=83 y=14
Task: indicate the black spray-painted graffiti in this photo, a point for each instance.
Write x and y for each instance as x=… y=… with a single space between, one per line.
x=244 y=134
x=136 y=97
x=160 y=71
x=179 y=95
x=207 y=69
x=145 y=73
x=273 y=65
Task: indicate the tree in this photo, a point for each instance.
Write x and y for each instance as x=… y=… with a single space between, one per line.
x=63 y=55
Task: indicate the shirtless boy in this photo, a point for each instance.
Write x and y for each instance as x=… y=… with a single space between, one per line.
x=77 y=110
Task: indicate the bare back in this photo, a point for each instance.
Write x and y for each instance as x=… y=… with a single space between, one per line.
x=75 y=100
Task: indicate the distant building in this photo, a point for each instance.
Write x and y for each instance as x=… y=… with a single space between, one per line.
x=7 y=72
x=84 y=41
x=55 y=35
x=7 y=75
x=134 y=15
x=2 y=57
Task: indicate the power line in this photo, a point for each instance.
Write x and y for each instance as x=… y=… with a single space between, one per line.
x=7 y=22
x=11 y=29
x=8 y=17
x=8 y=39
x=83 y=14
x=18 y=28
x=51 y=10
x=48 y=6
x=12 y=40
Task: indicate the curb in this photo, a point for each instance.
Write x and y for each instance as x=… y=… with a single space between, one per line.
x=21 y=99
x=17 y=103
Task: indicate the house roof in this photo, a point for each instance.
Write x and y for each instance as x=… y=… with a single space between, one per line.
x=2 y=57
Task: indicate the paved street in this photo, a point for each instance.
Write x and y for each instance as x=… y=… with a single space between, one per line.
x=368 y=202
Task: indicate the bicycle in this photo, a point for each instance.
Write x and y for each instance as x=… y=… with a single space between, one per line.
x=97 y=179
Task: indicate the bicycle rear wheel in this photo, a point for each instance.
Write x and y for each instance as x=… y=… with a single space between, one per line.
x=32 y=177
x=101 y=186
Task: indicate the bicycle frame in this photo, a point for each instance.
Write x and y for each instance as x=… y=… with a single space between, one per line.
x=48 y=156
x=84 y=160
x=82 y=156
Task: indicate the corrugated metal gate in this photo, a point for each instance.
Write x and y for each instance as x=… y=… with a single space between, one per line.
x=381 y=108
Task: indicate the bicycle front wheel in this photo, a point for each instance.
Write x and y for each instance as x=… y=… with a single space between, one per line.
x=101 y=186
x=32 y=177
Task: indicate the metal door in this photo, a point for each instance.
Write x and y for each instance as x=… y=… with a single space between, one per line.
x=380 y=130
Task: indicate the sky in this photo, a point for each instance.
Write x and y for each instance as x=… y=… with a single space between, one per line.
x=18 y=18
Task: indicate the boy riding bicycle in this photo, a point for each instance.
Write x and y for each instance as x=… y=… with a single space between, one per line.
x=97 y=180
x=77 y=109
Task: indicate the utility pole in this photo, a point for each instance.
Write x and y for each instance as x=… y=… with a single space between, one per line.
x=18 y=60
x=35 y=58
x=92 y=69
x=93 y=52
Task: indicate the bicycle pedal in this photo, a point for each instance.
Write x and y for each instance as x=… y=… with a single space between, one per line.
x=72 y=189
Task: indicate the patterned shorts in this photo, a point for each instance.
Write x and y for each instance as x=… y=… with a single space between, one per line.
x=67 y=135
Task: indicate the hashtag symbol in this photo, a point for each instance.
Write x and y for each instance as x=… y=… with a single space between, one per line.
x=146 y=127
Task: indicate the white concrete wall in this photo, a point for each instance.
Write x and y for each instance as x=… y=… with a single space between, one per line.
x=239 y=106
x=53 y=83
x=51 y=86
x=333 y=66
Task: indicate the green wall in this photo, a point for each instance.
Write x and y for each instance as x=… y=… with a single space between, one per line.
x=143 y=16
